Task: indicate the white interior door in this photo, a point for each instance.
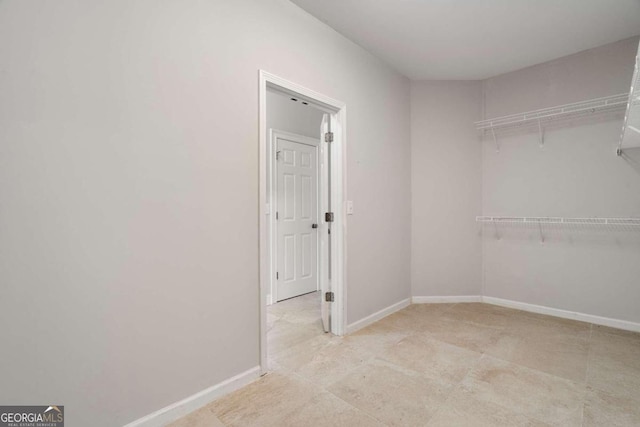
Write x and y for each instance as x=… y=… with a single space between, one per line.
x=297 y=218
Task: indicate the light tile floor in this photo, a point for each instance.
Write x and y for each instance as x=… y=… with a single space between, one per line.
x=438 y=365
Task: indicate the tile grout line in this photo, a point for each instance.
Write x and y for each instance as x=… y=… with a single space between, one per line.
x=586 y=374
x=531 y=369
x=356 y=408
x=483 y=353
x=368 y=361
x=455 y=386
x=322 y=389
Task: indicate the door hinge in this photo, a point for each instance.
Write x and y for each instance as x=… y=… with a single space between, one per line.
x=329 y=297
x=277 y=275
x=276 y=215
x=328 y=137
x=328 y=217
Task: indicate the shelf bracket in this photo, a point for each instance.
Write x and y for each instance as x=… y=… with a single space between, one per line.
x=541 y=134
x=541 y=233
x=495 y=140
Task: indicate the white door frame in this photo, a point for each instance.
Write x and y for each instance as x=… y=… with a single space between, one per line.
x=274 y=134
x=338 y=112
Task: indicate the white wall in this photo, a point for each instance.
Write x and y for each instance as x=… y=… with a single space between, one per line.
x=446 y=171
x=129 y=182
x=577 y=174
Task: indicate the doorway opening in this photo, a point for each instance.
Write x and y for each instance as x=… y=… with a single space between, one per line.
x=302 y=220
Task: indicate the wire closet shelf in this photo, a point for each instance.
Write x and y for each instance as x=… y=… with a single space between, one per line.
x=559 y=220
x=568 y=111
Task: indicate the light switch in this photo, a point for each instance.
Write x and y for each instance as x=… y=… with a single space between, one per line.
x=349 y=207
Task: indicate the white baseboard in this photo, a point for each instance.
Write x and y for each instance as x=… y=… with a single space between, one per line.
x=179 y=409
x=446 y=299
x=362 y=323
x=596 y=320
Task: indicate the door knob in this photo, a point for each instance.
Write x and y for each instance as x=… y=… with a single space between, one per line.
x=314 y=225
